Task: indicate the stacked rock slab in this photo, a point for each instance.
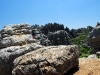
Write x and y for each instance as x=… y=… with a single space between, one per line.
x=94 y=39
x=51 y=60
x=16 y=40
x=14 y=29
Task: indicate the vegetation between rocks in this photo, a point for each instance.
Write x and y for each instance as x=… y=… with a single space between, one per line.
x=82 y=43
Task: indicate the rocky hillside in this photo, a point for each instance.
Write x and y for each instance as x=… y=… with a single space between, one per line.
x=54 y=36
x=22 y=53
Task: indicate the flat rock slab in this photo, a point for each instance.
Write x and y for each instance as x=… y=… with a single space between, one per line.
x=52 y=60
x=16 y=40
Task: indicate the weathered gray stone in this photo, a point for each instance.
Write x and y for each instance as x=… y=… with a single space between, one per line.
x=53 y=60
x=15 y=29
x=60 y=37
x=92 y=56
x=7 y=55
x=18 y=41
x=98 y=53
x=94 y=37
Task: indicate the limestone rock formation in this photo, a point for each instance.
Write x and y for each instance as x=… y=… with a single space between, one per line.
x=94 y=40
x=15 y=29
x=88 y=66
x=60 y=37
x=16 y=40
x=94 y=37
x=52 y=60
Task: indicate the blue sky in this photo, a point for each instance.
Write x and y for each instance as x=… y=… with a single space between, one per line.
x=71 y=13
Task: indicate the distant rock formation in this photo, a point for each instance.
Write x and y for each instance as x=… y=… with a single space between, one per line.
x=16 y=41
x=60 y=37
x=52 y=60
x=94 y=39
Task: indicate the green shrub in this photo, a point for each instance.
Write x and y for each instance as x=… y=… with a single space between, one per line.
x=81 y=41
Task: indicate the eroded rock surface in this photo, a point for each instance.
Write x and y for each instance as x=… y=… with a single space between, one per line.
x=94 y=40
x=15 y=29
x=94 y=37
x=16 y=40
x=52 y=60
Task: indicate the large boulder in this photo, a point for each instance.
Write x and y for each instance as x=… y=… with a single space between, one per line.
x=7 y=56
x=52 y=60
x=16 y=40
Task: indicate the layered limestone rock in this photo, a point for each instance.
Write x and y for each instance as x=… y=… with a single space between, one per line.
x=60 y=37
x=16 y=40
x=52 y=60
x=94 y=37
x=15 y=29
x=94 y=40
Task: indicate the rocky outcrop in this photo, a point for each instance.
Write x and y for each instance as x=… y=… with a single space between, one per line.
x=52 y=60
x=60 y=37
x=94 y=37
x=16 y=40
x=87 y=66
x=15 y=29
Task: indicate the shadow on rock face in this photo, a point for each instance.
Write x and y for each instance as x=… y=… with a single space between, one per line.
x=72 y=71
